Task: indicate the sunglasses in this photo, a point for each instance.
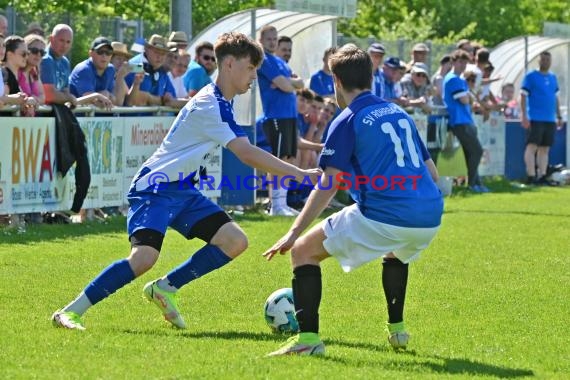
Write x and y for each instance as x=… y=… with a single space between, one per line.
x=35 y=50
x=108 y=53
x=209 y=58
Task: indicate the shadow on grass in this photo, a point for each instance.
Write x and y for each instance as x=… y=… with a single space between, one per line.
x=506 y=212
x=413 y=362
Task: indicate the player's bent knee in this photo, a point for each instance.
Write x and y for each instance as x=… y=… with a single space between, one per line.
x=230 y=239
x=145 y=249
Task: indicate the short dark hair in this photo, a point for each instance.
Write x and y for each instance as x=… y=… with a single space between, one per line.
x=483 y=55
x=460 y=54
x=12 y=43
x=306 y=93
x=352 y=66
x=284 y=39
x=319 y=99
x=546 y=52
x=239 y=46
x=204 y=45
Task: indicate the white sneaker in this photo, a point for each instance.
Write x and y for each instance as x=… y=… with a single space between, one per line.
x=281 y=211
x=291 y=209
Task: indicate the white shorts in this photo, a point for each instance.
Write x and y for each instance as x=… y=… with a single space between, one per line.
x=355 y=240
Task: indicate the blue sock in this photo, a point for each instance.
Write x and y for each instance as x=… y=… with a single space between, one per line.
x=114 y=277
x=205 y=260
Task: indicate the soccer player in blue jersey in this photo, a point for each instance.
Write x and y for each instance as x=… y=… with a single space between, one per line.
x=540 y=110
x=458 y=99
x=370 y=146
x=163 y=193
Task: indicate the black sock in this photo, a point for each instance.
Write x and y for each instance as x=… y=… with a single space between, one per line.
x=395 y=281
x=307 y=290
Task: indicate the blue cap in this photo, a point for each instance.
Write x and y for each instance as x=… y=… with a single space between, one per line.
x=394 y=62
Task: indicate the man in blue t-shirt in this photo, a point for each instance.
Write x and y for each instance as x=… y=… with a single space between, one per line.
x=277 y=89
x=55 y=67
x=540 y=110
x=95 y=74
x=376 y=51
x=322 y=81
x=373 y=149
x=458 y=99
x=200 y=69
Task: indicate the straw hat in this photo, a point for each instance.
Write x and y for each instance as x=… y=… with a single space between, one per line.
x=120 y=48
x=158 y=42
x=178 y=37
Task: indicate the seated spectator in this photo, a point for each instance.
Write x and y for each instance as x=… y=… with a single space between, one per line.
x=15 y=60
x=95 y=75
x=417 y=88
x=120 y=61
x=326 y=116
x=29 y=76
x=322 y=81
x=5 y=97
x=200 y=69
x=176 y=74
x=511 y=107
x=152 y=87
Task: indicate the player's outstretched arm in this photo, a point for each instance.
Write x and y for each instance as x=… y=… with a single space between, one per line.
x=317 y=202
x=260 y=159
x=432 y=170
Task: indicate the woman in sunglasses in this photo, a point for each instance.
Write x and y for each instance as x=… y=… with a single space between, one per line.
x=29 y=76
x=15 y=60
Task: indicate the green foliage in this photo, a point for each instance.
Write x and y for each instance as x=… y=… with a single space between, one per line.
x=487 y=299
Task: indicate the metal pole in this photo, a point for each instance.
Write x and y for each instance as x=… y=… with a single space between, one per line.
x=181 y=16
x=525 y=54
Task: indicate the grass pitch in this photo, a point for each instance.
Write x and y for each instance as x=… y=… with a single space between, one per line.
x=488 y=299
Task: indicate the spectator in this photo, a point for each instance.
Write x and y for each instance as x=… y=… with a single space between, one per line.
x=322 y=81
x=437 y=118
x=55 y=68
x=465 y=45
x=176 y=74
x=5 y=97
x=326 y=116
x=511 y=108
x=277 y=90
x=458 y=100
x=3 y=26
x=416 y=88
x=29 y=76
x=14 y=61
x=171 y=57
x=95 y=75
x=540 y=111
x=419 y=54
x=35 y=28
x=120 y=61
x=153 y=87
x=180 y=39
x=376 y=52
x=200 y=69
x=393 y=71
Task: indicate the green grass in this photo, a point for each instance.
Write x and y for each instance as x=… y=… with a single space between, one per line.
x=488 y=299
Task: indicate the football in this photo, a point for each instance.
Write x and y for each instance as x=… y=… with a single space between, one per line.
x=280 y=312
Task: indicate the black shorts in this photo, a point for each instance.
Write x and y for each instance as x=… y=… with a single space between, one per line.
x=282 y=136
x=541 y=133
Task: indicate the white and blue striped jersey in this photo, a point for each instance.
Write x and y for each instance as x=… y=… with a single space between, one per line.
x=204 y=124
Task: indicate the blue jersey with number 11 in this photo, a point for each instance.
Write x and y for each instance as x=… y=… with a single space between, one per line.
x=377 y=147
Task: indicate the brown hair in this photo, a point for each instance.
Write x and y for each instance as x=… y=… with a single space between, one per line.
x=204 y=45
x=239 y=46
x=352 y=66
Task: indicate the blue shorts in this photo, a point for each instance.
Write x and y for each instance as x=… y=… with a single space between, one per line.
x=171 y=205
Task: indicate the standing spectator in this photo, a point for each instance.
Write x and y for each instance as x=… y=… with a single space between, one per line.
x=29 y=77
x=200 y=69
x=95 y=75
x=6 y=97
x=14 y=61
x=35 y=28
x=416 y=88
x=511 y=108
x=3 y=26
x=458 y=100
x=277 y=90
x=180 y=39
x=284 y=48
x=393 y=71
x=55 y=67
x=540 y=114
x=153 y=87
x=376 y=52
x=419 y=54
x=437 y=117
x=176 y=74
x=322 y=81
